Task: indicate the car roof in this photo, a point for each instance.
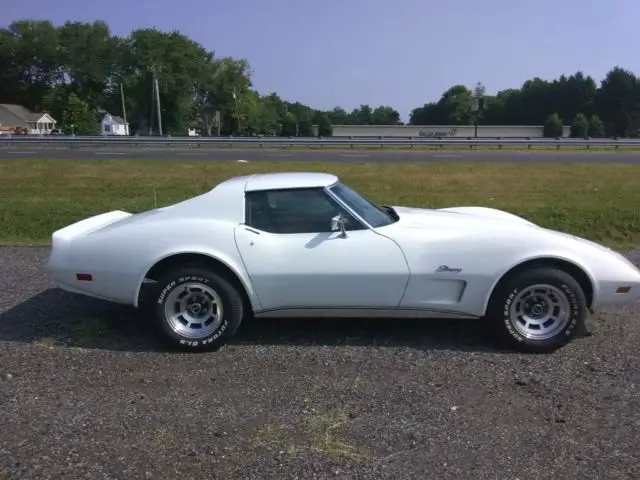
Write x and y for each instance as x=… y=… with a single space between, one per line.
x=227 y=198
x=281 y=180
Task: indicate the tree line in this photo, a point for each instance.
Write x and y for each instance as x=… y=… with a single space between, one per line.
x=76 y=71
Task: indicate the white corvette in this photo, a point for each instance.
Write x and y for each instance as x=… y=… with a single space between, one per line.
x=299 y=244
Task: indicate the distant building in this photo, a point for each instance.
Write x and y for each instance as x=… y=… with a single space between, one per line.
x=15 y=118
x=440 y=131
x=114 y=125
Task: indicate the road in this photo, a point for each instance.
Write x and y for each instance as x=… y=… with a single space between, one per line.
x=86 y=391
x=382 y=156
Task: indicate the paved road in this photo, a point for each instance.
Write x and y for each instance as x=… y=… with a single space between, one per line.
x=87 y=392
x=385 y=156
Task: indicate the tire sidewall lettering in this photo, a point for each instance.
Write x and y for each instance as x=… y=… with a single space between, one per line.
x=208 y=340
x=574 y=306
x=174 y=283
x=165 y=291
x=507 y=315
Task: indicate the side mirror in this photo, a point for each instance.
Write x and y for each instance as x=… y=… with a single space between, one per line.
x=337 y=224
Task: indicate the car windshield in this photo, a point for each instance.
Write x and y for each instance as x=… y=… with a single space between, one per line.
x=374 y=215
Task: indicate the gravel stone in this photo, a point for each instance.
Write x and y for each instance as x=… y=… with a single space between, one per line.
x=88 y=391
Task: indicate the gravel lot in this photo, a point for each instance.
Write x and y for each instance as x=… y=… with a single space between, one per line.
x=86 y=391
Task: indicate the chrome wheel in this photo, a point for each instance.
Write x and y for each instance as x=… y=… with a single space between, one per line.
x=193 y=310
x=539 y=312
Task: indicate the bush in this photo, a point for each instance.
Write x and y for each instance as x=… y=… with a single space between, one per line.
x=553 y=126
x=580 y=126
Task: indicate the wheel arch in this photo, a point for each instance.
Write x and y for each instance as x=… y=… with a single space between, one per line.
x=572 y=268
x=217 y=265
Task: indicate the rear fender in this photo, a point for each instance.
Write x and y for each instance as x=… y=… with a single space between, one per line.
x=232 y=264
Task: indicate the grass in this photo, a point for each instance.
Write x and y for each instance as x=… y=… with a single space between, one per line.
x=597 y=201
x=322 y=432
x=325 y=429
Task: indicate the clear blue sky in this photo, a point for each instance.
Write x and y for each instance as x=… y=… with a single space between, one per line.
x=401 y=53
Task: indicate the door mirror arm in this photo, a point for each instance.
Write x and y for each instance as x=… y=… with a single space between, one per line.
x=337 y=224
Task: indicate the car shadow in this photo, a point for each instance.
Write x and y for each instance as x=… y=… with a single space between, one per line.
x=54 y=317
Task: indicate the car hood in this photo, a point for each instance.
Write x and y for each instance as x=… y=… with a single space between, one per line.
x=466 y=218
x=487 y=220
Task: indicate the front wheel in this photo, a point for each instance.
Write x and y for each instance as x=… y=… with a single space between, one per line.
x=195 y=308
x=538 y=311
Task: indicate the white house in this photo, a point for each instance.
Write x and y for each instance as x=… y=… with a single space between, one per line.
x=114 y=125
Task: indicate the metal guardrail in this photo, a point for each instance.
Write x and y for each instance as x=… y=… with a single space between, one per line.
x=350 y=142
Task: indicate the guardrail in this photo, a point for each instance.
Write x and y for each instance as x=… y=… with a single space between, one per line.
x=266 y=142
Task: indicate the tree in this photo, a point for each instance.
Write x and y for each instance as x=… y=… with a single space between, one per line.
x=324 y=126
x=289 y=123
x=618 y=102
x=177 y=63
x=596 y=127
x=384 y=115
x=29 y=48
x=456 y=104
x=268 y=118
x=41 y=65
x=305 y=125
x=553 y=126
x=78 y=118
x=205 y=105
x=579 y=127
x=87 y=57
x=428 y=114
x=55 y=101
x=337 y=116
x=479 y=90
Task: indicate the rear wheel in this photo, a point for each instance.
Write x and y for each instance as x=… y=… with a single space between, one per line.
x=538 y=311
x=195 y=308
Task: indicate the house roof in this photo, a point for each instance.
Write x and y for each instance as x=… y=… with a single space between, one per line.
x=11 y=114
x=21 y=112
x=116 y=119
x=9 y=119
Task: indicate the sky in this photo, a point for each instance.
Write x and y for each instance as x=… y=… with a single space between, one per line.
x=401 y=53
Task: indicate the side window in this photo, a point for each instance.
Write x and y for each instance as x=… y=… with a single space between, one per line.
x=307 y=210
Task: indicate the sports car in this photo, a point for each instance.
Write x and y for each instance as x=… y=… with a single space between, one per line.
x=306 y=244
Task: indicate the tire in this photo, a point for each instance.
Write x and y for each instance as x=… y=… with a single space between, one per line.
x=176 y=325
x=552 y=298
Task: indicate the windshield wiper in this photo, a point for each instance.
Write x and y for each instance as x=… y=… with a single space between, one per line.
x=387 y=210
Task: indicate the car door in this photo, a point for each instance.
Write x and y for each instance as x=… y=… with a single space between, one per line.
x=294 y=260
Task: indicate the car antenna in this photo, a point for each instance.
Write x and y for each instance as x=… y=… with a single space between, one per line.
x=155 y=195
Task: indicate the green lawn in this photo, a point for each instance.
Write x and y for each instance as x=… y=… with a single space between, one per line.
x=600 y=202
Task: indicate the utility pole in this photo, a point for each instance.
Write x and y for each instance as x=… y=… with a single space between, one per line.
x=235 y=97
x=124 y=110
x=153 y=104
x=478 y=105
x=158 y=104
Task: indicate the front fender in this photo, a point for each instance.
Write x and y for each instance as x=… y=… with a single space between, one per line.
x=543 y=255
